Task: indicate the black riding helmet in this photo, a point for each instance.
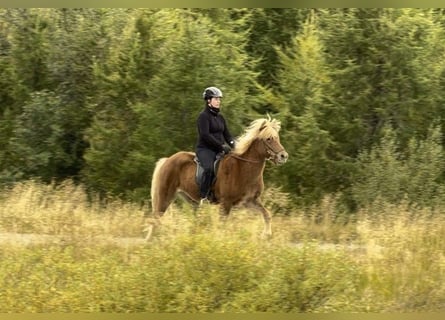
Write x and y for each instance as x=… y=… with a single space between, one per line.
x=212 y=92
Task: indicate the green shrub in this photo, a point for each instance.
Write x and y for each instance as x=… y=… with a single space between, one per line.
x=307 y=279
x=389 y=175
x=198 y=273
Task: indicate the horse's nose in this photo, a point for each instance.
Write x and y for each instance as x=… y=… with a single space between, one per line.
x=283 y=156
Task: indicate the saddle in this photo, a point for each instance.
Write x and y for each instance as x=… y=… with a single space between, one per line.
x=200 y=169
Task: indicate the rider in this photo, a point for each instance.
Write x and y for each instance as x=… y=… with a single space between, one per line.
x=213 y=137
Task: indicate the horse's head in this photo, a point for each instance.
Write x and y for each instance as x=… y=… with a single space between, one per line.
x=271 y=142
x=262 y=135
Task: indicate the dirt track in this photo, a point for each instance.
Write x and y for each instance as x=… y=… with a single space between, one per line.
x=21 y=239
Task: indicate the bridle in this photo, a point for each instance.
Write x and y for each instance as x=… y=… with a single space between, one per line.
x=269 y=149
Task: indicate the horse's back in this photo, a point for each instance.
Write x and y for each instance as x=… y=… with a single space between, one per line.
x=183 y=155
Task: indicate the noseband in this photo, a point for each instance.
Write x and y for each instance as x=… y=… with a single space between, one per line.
x=271 y=151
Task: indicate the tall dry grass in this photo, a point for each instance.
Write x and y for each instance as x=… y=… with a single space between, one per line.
x=65 y=210
x=94 y=259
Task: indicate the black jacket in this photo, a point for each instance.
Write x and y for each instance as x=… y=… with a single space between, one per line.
x=213 y=131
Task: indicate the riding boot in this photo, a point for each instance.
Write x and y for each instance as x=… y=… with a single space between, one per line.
x=206 y=184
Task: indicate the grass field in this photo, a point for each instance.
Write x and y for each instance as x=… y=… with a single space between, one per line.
x=91 y=258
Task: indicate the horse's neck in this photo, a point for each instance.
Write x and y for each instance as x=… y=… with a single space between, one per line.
x=254 y=158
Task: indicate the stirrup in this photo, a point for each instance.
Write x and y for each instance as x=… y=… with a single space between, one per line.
x=204 y=201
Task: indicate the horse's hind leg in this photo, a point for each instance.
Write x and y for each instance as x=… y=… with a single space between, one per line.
x=162 y=197
x=160 y=203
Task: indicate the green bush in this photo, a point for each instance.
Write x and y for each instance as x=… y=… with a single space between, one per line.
x=192 y=274
x=306 y=279
x=387 y=174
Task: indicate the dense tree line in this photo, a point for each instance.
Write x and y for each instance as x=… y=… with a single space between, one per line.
x=98 y=95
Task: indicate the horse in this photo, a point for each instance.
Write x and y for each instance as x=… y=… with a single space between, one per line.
x=239 y=179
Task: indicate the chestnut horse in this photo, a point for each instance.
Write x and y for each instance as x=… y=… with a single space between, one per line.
x=239 y=180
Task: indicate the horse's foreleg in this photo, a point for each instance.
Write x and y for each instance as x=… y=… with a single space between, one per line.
x=267 y=217
x=224 y=211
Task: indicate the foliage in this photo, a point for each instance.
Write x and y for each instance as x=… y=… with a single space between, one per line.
x=37 y=140
x=271 y=28
x=304 y=84
x=117 y=88
x=89 y=256
x=126 y=138
x=90 y=98
x=394 y=176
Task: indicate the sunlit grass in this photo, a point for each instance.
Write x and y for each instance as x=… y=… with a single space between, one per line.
x=64 y=210
x=390 y=259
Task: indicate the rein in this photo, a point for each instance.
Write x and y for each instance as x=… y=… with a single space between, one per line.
x=244 y=159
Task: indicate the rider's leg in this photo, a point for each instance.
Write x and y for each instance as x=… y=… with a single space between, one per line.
x=206 y=158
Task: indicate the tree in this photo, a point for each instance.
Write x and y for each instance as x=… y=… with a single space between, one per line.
x=76 y=39
x=29 y=50
x=7 y=100
x=314 y=166
x=52 y=53
x=157 y=117
x=271 y=28
x=153 y=99
x=361 y=72
x=121 y=75
x=23 y=69
x=380 y=59
x=38 y=139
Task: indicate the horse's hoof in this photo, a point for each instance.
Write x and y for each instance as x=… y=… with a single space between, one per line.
x=266 y=235
x=149 y=230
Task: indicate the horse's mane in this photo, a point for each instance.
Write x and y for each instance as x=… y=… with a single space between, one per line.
x=258 y=129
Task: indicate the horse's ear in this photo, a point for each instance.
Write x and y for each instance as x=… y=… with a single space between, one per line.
x=263 y=125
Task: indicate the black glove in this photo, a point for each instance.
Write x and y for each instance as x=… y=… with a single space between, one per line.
x=226 y=148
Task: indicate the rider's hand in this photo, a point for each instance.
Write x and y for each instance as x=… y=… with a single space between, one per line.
x=226 y=148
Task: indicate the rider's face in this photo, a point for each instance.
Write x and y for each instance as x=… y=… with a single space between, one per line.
x=215 y=102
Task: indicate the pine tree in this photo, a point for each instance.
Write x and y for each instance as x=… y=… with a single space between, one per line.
x=185 y=52
x=369 y=71
x=304 y=93
x=7 y=101
x=386 y=65
x=23 y=69
x=121 y=75
x=271 y=28
x=57 y=48
x=38 y=139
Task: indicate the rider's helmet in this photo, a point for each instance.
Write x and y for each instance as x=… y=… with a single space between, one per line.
x=211 y=92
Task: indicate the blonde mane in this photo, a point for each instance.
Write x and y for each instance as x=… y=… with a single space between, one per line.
x=258 y=129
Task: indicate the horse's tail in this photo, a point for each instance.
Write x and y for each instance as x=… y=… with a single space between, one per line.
x=155 y=184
